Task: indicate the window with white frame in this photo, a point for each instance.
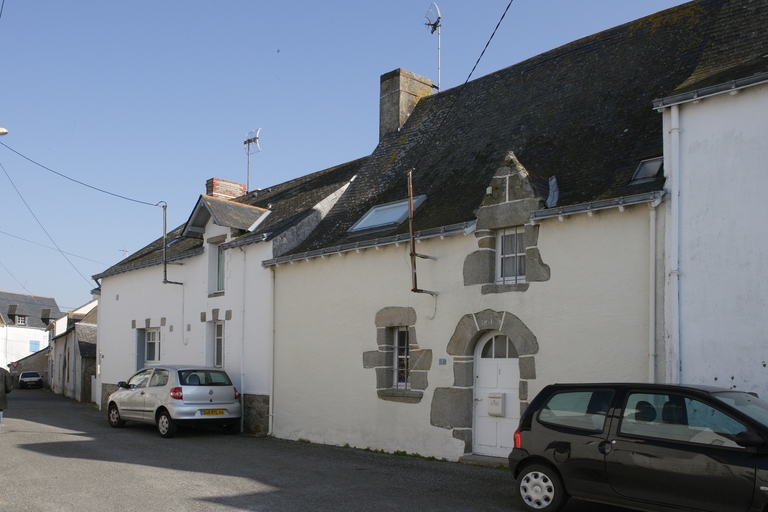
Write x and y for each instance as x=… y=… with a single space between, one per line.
x=510 y=255
x=152 y=345
x=402 y=359
x=218 y=344
x=21 y=320
x=220 y=269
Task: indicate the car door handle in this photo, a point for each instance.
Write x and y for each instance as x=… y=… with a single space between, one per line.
x=478 y=399
x=141 y=393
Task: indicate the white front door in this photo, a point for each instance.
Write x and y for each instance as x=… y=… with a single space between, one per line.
x=497 y=401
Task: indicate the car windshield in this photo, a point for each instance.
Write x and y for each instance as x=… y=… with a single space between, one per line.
x=748 y=404
x=29 y=374
x=204 y=378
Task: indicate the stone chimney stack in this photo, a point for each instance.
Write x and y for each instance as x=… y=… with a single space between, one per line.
x=224 y=189
x=400 y=91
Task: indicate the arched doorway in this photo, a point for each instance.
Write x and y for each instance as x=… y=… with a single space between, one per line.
x=496 y=395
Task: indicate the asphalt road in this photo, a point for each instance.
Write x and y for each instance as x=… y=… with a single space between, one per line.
x=59 y=455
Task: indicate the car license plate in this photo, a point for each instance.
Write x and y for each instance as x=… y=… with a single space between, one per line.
x=213 y=412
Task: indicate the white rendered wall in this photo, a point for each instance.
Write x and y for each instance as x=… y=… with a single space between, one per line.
x=185 y=339
x=14 y=342
x=724 y=240
x=590 y=319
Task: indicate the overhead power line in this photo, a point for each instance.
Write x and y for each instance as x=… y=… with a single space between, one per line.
x=77 y=181
x=52 y=248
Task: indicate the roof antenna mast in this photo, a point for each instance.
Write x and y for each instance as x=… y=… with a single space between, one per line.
x=434 y=14
x=251 y=145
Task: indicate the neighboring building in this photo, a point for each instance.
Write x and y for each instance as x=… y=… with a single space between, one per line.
x=716 y=149
x=73 y=354
x=24 y=320
x=34 y=362
x=536 y=190
x=212 y=303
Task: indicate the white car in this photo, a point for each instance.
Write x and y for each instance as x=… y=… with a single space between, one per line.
x=29 y=379
x=168 y=396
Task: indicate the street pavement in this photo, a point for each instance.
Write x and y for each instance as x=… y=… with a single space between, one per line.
x=58 y=455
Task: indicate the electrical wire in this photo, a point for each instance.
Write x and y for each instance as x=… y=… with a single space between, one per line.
x=461 y=90
x=76 y=181
x=52 y=248
x=14 y=278
x=41 y=225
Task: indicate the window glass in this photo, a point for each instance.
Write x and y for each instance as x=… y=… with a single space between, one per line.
x=159 y=378
x=487 y=352
x=220 y=269
x=34 y=345
x=386 y=214
x=678 y=418
x=204 y=378
x=402 y=359
x=586 y=410
x=152 y=346
x=21 y=320
x=745 y=403
x=140 y=379
x=510 y=257
x=218 y=345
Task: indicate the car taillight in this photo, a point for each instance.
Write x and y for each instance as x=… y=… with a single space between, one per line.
x=237 y=395
x=176 y=393
x=518 y=441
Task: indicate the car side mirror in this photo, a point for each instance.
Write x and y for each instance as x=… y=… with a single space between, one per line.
x=749 y=440
x=122 y=384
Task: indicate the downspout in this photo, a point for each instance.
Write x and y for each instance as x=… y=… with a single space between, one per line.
x=242 y=344
x=652 y=293
x=675 y=372
x=272 y=359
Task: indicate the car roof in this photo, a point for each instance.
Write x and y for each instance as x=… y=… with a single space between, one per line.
x=183 y=367
x=644 y=385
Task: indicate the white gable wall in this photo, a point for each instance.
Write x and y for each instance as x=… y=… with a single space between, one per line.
x=723 y=240
x=177 y=310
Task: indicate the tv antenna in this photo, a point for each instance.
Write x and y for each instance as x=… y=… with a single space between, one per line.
x=433 y=21
x=251 y=146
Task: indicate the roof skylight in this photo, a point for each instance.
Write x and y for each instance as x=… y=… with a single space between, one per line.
x=647 y=170
x=386 y=215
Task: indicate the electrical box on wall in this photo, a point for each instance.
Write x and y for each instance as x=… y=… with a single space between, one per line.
x=496 y=404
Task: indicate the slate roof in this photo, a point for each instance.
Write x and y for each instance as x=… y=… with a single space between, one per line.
x=287 y=203
x=582 y=113
x=31 y=306
x=224 y=212
x=86 y=339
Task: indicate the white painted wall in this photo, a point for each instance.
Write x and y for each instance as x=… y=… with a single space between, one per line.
x=590 y=319
x=185 y=339
x=723 y=240
x=15 y=342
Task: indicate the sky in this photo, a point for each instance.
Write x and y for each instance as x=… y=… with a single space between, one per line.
x=148 y=99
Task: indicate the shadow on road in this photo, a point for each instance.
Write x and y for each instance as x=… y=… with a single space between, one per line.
x=269 y=474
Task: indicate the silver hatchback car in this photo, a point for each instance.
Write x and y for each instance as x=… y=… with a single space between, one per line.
x=168 y=396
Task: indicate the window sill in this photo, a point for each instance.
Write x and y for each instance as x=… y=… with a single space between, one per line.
x=503 y=288
x=216 y=294
x=407 y=396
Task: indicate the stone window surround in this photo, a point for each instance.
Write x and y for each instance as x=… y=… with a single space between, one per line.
x=387 y=321
x=453 y=408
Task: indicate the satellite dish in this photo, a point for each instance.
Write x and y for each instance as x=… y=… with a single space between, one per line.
x=433 y=17
x=251 y=140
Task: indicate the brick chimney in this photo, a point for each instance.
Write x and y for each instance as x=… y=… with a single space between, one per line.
x=224 y=189
x=400 y=91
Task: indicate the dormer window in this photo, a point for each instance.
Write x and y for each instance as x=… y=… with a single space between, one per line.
x=386 y=216
x=647 y=170
x=21 y=320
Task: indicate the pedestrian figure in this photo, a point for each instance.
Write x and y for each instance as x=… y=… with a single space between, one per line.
x=6 y=386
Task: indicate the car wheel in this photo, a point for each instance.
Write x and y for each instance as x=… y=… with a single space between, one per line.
x=165 y=424
x=540 y=488
x=114 y=417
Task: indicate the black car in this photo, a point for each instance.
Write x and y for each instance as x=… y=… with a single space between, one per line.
x=643 y=446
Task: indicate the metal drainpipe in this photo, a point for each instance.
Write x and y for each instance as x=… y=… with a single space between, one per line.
x=272 y=359
x=652 y=297
x=674 y=258
x=242 y=344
